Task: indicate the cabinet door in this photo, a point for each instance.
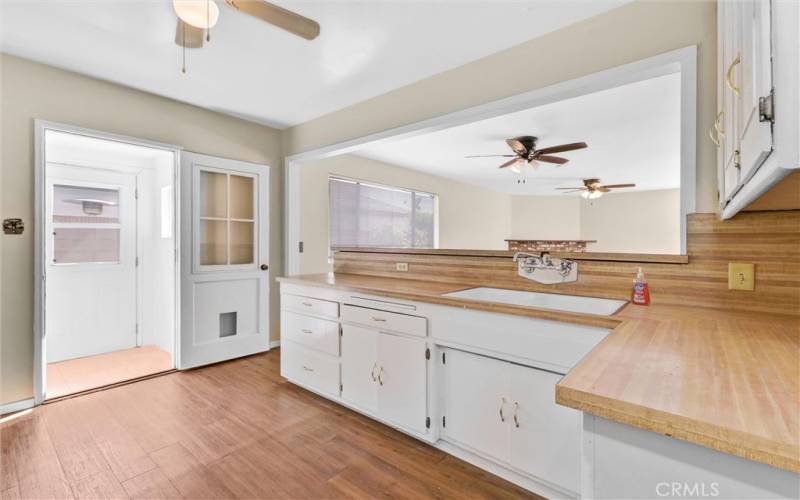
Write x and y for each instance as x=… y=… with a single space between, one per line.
x=402 y=381
x=546 y=437
x=729 y=51
x=754 y=81
x=476 y=392
x=360 y=367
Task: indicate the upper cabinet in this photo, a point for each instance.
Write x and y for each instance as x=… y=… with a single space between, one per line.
x=756 y=128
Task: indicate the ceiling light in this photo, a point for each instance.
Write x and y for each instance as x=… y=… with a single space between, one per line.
x=591 y=195
x=201 y=14
x=518 y=166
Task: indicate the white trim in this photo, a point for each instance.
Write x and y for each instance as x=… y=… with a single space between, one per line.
x=681 y=60
x=274 y=343
x=39 y=272
x=22 y=404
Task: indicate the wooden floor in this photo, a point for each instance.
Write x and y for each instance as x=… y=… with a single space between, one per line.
x=82 y=374
x=234 y=429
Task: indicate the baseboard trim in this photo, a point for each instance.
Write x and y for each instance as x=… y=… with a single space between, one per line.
x=274 y=343
x=16 y=406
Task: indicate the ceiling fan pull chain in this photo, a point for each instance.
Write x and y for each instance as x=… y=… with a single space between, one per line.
x=208 y=20
x=183 y=43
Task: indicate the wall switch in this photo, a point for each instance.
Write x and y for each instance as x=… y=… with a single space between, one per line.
x=401 y=266
x=741 y=276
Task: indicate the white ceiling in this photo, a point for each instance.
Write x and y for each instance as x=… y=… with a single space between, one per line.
x=633 y=134
x=255 y=71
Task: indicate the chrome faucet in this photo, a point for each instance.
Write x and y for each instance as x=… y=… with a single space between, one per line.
x=528 y=264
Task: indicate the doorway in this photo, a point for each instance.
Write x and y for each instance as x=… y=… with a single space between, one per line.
x=108 y=260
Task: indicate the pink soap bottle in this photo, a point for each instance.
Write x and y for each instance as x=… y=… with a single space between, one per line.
x=641 y=291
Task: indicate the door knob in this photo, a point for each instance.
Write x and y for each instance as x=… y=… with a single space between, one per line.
x=264 y=267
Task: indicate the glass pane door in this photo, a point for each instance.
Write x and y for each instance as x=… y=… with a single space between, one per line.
x=227 y=225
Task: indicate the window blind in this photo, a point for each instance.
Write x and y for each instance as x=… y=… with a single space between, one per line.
x=372 y=215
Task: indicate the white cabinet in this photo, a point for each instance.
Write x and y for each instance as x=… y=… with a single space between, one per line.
x=477 y=403
x=508 y=413
x=360 y=367
x=387 y=375
x=756 y=130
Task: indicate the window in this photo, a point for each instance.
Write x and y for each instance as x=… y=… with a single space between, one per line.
x=227 y=219
x=85 y=225
x=370 y=215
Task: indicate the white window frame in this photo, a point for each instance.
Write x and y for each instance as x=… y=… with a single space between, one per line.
x=413 y=192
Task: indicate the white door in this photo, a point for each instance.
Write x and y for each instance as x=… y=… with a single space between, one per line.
x=90 y=293
x=224 y=259
x=477 y=403
x=545 y=437
x=402 y=381
x=360 y=367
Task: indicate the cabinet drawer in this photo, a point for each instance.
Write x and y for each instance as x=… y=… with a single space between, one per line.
x=310 y=368
x=316 y=333
x=310 y=305
x=384 y=320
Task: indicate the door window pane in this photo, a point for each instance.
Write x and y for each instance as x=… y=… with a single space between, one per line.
x=213 y=194
x=85 y=205
x=213 y=242
x=82 y=245
x=242 y=197
x=242 y=242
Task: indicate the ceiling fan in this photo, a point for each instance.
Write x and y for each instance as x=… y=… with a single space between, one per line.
x=592 y=188
x=197 y=17
x=525 y=153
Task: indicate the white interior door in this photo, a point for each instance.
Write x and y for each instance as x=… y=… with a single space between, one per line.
x=91 y=297
x=224 y=256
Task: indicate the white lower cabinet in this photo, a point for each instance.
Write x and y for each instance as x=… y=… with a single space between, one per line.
x=508 y=413
x=387 y=375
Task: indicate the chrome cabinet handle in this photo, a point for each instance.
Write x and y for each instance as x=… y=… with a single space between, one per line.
x=516 y=410
x=372 y=372
x=502 y=405
x=306 y=330
x=307 y=368
x=380 y=376
x=379 y=320
x=729 y=75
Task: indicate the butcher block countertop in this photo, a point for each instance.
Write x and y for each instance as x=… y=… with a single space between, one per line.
x=721 y=379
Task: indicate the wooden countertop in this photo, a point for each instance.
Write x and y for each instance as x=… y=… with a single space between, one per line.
x=720 y=379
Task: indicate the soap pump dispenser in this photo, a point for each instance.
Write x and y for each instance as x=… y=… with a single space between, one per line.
x=641 y=291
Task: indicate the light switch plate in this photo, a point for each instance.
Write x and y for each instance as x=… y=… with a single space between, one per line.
x=402 y=267
x=741 y=276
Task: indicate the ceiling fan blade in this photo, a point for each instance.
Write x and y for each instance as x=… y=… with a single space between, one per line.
x=491 y=156
x=517 y=146
x=194 y=36
x=574 y=191
x=615 y=186
x=550 y=159
x=602 y=189
x=575 y=188
x=508 y=163
x=278 y=16
x=560 y=149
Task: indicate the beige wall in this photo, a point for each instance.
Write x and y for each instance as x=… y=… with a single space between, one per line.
x=30 y=90
x=638 y=222
x=627 y=34
x=546 y=217
x=469 y=217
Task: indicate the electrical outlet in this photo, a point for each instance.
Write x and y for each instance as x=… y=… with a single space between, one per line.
x=741 y=276
x=402 y=267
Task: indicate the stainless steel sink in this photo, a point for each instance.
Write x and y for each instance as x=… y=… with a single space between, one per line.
x=554 y=301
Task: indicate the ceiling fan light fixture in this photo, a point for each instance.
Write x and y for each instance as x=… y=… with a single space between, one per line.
x=519 y=166
x=591 y=195
x=201 y=14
